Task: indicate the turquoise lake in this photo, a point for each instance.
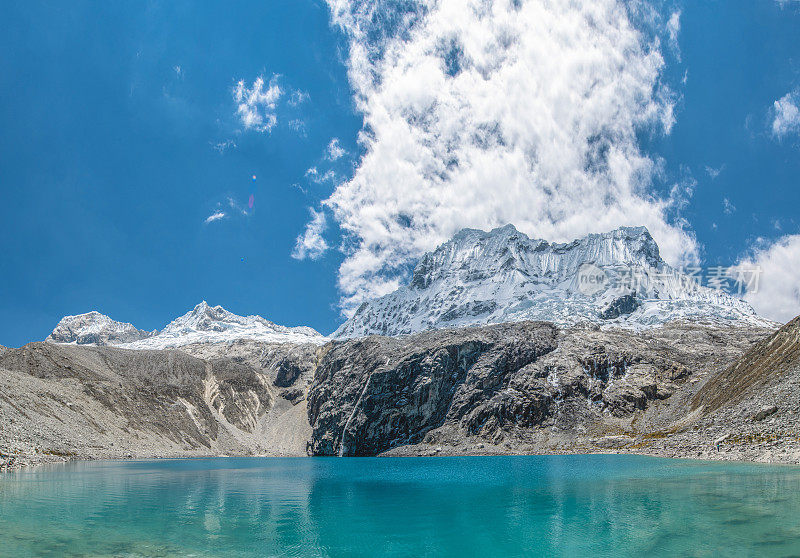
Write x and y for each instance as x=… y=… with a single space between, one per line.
x=460 y=506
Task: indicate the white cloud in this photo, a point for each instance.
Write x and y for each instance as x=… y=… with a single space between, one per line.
x=311 y=243
x=230 y=209
x=478 y=114
x=777 y=295
x=216 y=216
x=728 y=207
x=314 y=175
x=222 y=146
x=256 y=104
x=673 y=29
x=298 y=98
x=298 y=126
x=714 y=173
x=334 y=151
x=237 y=207
x=786 y=115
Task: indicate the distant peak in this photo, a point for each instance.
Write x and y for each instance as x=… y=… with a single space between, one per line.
x=94 y=328
x=201 y=324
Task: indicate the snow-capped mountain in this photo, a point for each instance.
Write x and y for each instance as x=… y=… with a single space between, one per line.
x=203 y=324
x=616 y=278
x=94 y=328
x=214 y=324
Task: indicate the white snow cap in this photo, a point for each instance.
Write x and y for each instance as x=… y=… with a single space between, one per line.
x=616 y=278
x=203 y=324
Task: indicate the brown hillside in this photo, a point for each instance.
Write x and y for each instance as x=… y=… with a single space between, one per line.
x=765 y=361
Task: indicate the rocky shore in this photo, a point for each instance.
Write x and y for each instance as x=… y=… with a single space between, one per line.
x=681 y=390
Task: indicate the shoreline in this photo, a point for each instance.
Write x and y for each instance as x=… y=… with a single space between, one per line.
x=28 y=462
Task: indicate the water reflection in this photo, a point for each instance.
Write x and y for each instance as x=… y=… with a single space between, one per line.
x=556 y=505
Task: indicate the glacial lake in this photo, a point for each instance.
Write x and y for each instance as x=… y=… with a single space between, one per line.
x=459 y=506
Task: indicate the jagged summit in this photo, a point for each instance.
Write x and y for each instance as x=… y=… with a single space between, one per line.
x=94 y=328
x=203 y=324
x=502 y=275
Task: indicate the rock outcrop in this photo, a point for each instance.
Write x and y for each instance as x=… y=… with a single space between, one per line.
x=376 y=393
x=514 y=384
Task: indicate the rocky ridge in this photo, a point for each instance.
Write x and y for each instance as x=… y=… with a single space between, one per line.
x=516 y=388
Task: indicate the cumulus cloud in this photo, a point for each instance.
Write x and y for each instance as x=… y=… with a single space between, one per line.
x=334 y=151
x=786 y=115
x=311 y=243
x=256 y=104
x=777 y=293
x=216 y=216
x=478 y=114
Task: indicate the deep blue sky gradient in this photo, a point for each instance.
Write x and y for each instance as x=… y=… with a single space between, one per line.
x=108 y=169
x=107 y=166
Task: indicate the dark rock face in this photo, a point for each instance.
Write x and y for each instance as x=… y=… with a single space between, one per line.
x=765 y=412
x=376 y=393
x=292 y=366
x=497 y=383
x=623 y=305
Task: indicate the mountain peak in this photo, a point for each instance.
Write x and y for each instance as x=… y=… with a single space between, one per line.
x=202 y=324
x=503 y=275
x=94 y=328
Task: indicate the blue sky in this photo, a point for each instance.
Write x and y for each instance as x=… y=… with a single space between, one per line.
x=122 y=135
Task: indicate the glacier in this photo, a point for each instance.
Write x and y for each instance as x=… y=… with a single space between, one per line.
x=613 y=279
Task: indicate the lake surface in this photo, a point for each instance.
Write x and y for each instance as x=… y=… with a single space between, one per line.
x=461 y=506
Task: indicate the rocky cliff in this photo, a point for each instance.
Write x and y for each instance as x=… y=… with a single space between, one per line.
x=682 y=390
x=524 y=387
